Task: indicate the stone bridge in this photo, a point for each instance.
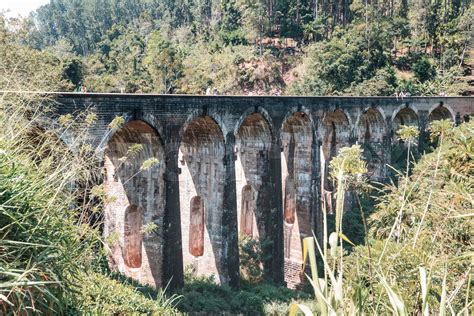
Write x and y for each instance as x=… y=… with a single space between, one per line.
x=232 y=166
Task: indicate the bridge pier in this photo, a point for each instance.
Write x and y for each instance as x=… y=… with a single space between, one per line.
x=229 y=216
x=173 y=252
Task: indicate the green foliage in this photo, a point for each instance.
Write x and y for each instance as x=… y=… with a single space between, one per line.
x=252 y=258
x=382 y=83
x=418 y=259
x=317 y=47
x=102 y=295
x=334 y=66
x=438 y=239
x=202 y=295
x=163 y=62
x=49 y=213
x=424 y=70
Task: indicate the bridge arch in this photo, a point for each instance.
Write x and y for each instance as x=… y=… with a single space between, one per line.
x=259 y=110
x=254 y=140
x=53 y=127
x=335 y=132
x=195 y=116
x=404 y=115
x=371 y=130
x=297 y=168
x=202 y=177
x=441 y=112
x=134 y=184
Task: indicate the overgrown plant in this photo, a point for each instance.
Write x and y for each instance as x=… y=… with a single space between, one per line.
x=46 y=238
x=252 y=258
x=50 y=214
x=347 y=169
x=426 y=267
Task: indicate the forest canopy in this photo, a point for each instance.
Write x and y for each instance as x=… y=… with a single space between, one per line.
x=307 y=47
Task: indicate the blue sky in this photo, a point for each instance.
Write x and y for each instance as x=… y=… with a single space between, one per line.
x=20 y=7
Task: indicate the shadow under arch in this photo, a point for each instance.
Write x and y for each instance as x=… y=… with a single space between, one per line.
x=254 y=144
x=405 y=116
x=133 y=191
x=441 y=112
x=202 y=177
x=297 y=169
x=44 y=127
x=335 y=134
x=371 y=130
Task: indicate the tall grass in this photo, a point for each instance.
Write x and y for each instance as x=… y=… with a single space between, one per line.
x=50 y=215
x=45 y=240
x=418 y=257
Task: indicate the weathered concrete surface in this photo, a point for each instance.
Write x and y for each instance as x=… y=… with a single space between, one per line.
x=234 y=165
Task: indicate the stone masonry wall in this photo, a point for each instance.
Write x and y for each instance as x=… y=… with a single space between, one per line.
x=135 y=199
x=202 y=175
x=216 y=154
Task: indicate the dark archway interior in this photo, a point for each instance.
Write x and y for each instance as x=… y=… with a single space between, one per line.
x=404 y=117
x=297 y=143
x=335 y=134
x=371 y=131
x=440 y=113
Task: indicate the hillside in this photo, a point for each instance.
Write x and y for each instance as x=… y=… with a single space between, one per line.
x=257 y=47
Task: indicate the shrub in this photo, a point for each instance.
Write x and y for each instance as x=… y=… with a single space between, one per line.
x=424 y=70
x=203 y=295
x=101 y=295
x=252 y=258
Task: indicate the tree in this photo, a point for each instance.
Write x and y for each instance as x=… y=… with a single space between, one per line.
x=163 y=62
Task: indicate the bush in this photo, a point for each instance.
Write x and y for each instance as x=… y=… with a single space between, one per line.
x=424 y=70
x=203 y=295
x=101 y=295
x=252 y=258
x=45 y=240
x=383 y=83
x=433 y=228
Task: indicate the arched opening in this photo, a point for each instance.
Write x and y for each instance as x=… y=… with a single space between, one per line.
x=370 y=133
x=335 y=134
x=201 y=188
x=135 y=198
x=297 y=168
x=290 y=203
x=253 y=148
x=404 y=117
x=196 y=227
x=132 y=244
x=440 y=113
x=247 y=212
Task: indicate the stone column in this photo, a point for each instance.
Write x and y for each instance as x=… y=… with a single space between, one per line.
x=229 y=216
x=173 y=254
x=274 y=266
x=316 y=207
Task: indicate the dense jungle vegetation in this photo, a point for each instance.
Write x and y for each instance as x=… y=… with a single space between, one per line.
x=309 y=47
x=415 y=253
